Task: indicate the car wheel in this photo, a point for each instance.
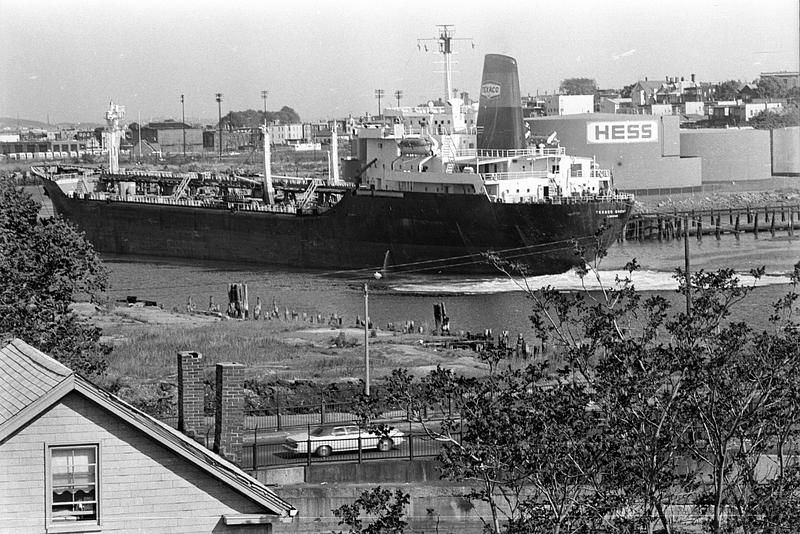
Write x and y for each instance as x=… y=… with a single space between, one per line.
x=385 y=444
x=324 y=451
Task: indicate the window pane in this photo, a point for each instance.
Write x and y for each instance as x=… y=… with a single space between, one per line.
x=74 y=478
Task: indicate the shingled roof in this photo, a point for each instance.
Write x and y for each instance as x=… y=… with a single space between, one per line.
x=31 y=382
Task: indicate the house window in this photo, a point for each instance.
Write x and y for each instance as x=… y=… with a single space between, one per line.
x=73 y=485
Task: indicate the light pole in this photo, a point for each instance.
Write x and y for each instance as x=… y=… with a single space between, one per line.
x=264 y=95
x=219 y=122
x=377 y=276
x=366 y=340
x=183 y=125
x=398 y=95
x=379 y=94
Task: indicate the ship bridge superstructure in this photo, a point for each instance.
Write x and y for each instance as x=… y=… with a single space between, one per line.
x=450 y=163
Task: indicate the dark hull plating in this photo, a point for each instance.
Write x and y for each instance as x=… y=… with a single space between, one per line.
x=423 y=232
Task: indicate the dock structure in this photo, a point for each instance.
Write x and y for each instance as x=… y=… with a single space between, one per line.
x=777 y=219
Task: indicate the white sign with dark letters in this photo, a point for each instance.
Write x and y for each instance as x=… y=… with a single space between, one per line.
x=622 y=132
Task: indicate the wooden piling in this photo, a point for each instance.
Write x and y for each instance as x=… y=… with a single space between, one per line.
x=717 y=229
x=772 y=225
x=736 y=229
x=755 y=225
x=699 y=228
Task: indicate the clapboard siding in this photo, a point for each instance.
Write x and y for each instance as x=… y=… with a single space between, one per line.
x=143 y=486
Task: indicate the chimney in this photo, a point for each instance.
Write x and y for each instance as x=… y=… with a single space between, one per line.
x=692 y=77
x=191 y=392
x=229 y=411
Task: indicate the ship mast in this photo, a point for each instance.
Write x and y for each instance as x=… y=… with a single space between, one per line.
x=114 y=114
x=269 y=193
x=445 y=42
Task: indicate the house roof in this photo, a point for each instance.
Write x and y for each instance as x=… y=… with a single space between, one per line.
x=651 y=85
x=31 y=382
x=167 y=125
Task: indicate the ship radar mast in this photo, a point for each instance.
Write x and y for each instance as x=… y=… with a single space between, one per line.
x=114 y=114
x=445 y=43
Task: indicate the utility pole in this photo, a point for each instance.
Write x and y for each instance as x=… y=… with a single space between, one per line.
x=379 y=94
x=398 y=95
x=264 y=95
x=366 y=340
x=686 y=266
x=219 y=122
x=183 y=126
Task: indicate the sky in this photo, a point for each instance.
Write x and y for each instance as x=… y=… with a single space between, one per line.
x=66 y=59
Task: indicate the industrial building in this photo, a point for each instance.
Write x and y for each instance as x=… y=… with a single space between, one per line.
x=643 y=152
x=650 y=154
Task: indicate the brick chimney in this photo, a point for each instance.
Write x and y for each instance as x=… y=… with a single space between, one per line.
x=191 y=391
x=229 y=411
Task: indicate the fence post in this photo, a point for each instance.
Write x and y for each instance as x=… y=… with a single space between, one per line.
x=308 y=446
x=255 y=447
x=360 y=451
x=278 y=412
x=322 y=412
x=410 y=446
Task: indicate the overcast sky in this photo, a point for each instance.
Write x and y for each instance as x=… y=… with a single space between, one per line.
x=69 y=58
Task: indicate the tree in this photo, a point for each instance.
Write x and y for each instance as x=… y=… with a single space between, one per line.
x=578 y=86
x=770 y=87
x=385 y=509
x=44 y=266
x=253 y=119
x=727 y=90
x=769 y=120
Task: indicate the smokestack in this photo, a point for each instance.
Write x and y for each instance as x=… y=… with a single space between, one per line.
x=692 y=77
x=229 y=412
x=191 y=392
x=500 y=124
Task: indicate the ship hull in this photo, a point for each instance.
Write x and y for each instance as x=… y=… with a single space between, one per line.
x=422 y=232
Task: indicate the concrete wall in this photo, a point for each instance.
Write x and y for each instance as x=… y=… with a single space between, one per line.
x=635 y=163
x=729 y=154
x=786 y=151
x=433 y=507
x=143 y=486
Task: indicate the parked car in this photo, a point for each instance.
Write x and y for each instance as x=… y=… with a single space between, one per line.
x=327 y=439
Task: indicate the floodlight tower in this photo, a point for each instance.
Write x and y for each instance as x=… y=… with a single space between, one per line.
x=114 y=114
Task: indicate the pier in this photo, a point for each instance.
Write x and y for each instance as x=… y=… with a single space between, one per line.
x=661 y=226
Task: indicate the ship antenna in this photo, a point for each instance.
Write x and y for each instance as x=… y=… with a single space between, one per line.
x=445 y=41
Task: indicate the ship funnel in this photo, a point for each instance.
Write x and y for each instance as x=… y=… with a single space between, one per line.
x=500 y=112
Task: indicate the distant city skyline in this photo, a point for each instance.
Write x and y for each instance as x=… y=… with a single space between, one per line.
x=68 y=59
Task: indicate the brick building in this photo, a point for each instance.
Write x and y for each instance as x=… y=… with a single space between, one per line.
x=75 y=458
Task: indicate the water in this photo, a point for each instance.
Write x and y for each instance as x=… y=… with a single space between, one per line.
x=473 y=303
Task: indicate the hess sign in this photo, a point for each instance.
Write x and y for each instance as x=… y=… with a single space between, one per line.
x=490 y=90
x=622 y=132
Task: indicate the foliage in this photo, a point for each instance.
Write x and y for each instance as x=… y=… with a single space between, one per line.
x=769 y=120
x=578 y=86
x=654 y=408
x=727 y=90
x=384 y=509
x=44 y=266
x=253 y=119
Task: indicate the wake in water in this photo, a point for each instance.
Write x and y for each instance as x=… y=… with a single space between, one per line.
x=644 y=280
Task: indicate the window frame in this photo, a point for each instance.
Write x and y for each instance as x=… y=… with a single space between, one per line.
x=71 y=526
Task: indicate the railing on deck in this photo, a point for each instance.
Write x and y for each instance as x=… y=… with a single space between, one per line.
x=499 y=154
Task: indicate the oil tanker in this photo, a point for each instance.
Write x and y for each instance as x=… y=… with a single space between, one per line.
x=427 y=191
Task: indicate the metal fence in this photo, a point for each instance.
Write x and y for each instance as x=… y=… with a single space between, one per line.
x=362 y=449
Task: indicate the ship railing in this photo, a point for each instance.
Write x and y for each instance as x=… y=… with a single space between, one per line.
x=521 y=175
x=595 y=173
x=584 y=198
x=515 y=153
x=193 y=202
